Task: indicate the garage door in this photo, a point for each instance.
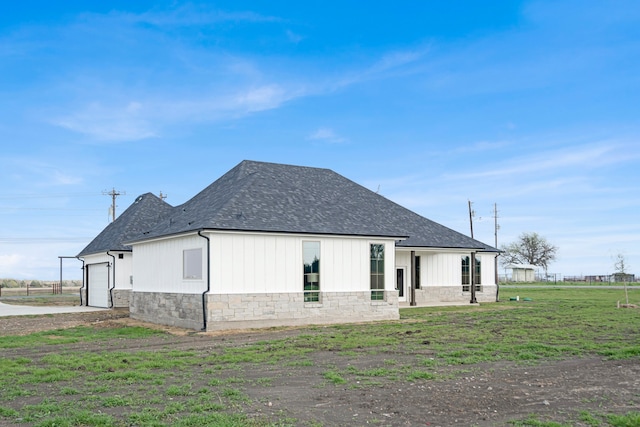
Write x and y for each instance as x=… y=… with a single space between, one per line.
x=98 y=285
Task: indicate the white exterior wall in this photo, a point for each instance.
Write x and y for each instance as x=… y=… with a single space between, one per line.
x=445 y=268
x=441 y=276
x=123 y=267
x=268 y=263
x=158 y=266
x=438 y=268
x=124 y=270
x=252 y=263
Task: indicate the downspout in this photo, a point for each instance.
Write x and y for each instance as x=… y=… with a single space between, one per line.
x=80 y=290
x=204 y=300
x=114 y=280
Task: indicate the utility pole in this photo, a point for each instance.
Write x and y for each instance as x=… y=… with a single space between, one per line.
x=162 y=196
x=496 y=228
x=472 y=260
x=471 y=215
x=113 y=193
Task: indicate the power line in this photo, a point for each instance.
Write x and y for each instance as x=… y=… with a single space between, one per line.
x=44 y=239
x=44 y=196
x=13 y=208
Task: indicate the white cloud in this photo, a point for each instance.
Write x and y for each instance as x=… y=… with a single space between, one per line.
x=262 y=98
x=185 y=15
x=593 y=155
x=293 y=37
x=10 y=261
x=327 y=135
x=137 y=120
x=109 y=123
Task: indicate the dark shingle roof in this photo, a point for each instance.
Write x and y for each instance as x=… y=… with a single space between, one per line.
x=146 y=211
x=258 y=196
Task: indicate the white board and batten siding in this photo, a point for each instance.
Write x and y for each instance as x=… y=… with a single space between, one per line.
x=444 y=268
x=158 y=265
x=248 y=263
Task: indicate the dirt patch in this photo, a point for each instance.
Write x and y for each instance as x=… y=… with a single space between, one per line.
x=488 y=394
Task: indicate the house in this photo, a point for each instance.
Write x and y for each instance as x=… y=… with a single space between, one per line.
x=107 y=260
x=270 y=244
x=522 y=272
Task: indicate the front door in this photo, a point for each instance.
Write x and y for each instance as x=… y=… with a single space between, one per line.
x=401 y=285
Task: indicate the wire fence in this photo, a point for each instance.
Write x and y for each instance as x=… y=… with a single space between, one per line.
x=590 y=279
x=53 y=289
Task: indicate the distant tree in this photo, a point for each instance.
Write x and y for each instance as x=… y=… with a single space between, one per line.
x=621 y=268
x=620 y=265
x=529 y=248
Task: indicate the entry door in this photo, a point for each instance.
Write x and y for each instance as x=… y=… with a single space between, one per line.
x=401 y=283
x=98 y=285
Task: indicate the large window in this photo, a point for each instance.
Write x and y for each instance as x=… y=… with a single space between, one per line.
x=311 y=268
x=192 y=264
x=377 y=272
x=477 y=274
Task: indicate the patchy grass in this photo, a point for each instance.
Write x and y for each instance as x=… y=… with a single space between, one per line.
x=75 y=335
x=630 y=419
x=209 y=386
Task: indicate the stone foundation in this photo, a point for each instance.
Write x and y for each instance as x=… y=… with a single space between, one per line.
x=121 y=297
x=452 y=294
x=181 y=310
x=261 y=310
x=289 y=309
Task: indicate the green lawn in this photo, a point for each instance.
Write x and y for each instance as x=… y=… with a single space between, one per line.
x=194 y=387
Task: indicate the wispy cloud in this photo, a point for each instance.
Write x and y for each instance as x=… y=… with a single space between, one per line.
x=327 y=135
x=10 y=261
x=598 y=154
x=186 y=15
x=293 y=37
x=482 y=146
x=109 y=123
x=137 y=120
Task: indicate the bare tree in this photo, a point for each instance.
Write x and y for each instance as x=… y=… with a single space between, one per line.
x=621 y=268
x=529 y=248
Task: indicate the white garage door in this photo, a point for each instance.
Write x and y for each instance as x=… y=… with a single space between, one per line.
x=98 y=285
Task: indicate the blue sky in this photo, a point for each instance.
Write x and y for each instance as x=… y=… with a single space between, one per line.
x=531 y=105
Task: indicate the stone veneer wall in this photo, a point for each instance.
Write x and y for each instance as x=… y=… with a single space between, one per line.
x=239 y=311
x=289 y=309
x=181 y=310
x=121 y=297
x=435 y=294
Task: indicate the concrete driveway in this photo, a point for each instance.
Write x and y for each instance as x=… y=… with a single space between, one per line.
x=27 y=310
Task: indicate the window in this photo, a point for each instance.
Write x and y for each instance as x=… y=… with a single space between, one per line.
x=477 y=275
x=417 y=263
x=311 y=269
x=377 y=272
x=192 y=264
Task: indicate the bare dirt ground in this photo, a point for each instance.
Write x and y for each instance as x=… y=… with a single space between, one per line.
x=489 y=394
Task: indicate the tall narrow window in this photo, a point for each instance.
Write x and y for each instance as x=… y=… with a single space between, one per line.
x=311 y=269
x=477 y=274
x=465 y=274
x=417 y=262
x=192 y=264
x=377 y=272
